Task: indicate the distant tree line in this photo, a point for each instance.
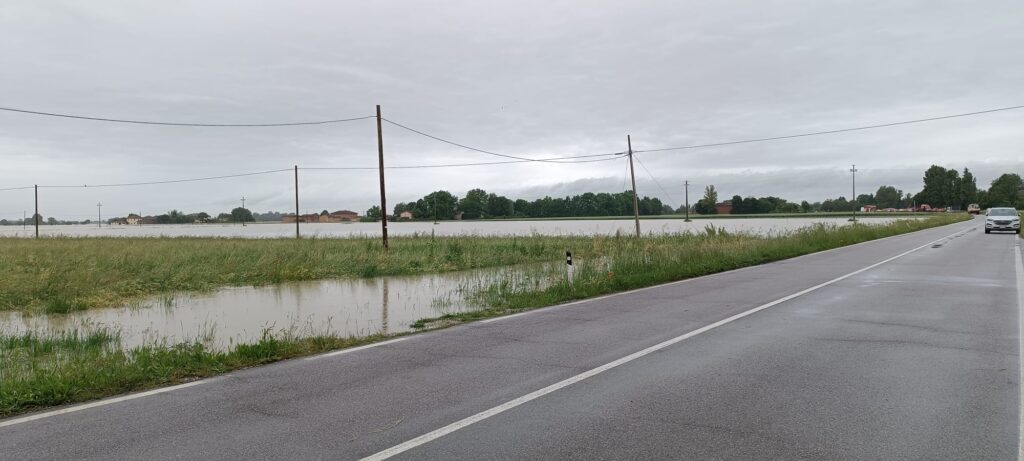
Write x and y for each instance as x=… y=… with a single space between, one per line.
x=478 y=204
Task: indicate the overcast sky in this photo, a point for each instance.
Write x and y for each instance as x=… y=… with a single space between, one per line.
x=532 y=79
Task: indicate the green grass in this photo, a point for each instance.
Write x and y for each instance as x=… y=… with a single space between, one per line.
x=41 y=370
x=64 y=274
x=38 y=371
x=619 y=264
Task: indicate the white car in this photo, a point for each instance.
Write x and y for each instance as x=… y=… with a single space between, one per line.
x=1002 y=219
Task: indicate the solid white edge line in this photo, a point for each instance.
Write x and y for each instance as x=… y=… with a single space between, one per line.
x=356 y=349
x=100 y=403
x=716 y=274
x=441 y=432
x=1019 y=269
x=124 y=398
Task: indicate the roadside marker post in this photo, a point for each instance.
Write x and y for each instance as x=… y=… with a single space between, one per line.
x=569 y=269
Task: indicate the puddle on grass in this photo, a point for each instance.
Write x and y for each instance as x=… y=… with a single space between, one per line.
x=347 y=307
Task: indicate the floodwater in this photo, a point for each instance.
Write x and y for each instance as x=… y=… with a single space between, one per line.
x=344 y=307
x=449 y=228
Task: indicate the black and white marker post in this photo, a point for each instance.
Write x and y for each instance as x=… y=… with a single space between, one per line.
x=569 y=269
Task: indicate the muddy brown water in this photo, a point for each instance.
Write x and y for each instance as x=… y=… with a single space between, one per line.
x=347 y=307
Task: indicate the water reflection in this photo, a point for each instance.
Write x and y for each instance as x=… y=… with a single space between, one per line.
x=237 y=315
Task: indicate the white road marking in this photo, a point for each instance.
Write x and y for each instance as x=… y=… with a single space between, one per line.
x=702 y=277
x=354 y=349
x=438 y=433
x=104 y=402
x=100 y=403
x=1019 y=268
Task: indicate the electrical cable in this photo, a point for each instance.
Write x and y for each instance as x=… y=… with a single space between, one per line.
x=172 y=181
x=17 y=188
x=482 y=151
x=449 y=165
x=655 y=180
x=146 y=122
x=817 y=133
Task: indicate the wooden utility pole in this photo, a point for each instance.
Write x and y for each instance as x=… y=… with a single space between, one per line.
x=296 y=201
x=99 y=214
x=383 y=201
x=35 y=217
x=853 y=185
x=636 y=203
x=687 y=200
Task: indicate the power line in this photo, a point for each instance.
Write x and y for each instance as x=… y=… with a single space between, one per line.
x=172 y=181
x=17 y=188
x=451 y=165
x=482 y=151
x=655 y=180
x=147 y=122
x=843 y=130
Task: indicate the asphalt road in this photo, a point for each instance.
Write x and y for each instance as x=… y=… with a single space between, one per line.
x=826 y=356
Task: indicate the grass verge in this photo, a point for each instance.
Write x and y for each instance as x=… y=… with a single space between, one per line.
x=626 y=264
x=64 y=274
x=38 y=371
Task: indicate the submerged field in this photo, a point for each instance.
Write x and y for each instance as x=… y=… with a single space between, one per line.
x=63 y=274
x=44 y=369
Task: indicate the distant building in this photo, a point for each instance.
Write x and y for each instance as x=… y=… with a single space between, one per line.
x=405 y=215
x=336 y=217
x=458 y=215
x=868 y=208
x=724 y=207
x=133 y=220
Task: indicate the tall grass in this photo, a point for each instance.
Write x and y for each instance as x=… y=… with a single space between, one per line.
x=40 y=370
x=617 y=264
x=62 y=274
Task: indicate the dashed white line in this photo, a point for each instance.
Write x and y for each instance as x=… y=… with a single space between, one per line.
x=438 y=433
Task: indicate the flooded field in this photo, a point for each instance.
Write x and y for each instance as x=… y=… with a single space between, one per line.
x=355 y=308
x=339 y=307
x=453 y=228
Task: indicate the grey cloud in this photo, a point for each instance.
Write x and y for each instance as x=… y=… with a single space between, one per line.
x=525 y=78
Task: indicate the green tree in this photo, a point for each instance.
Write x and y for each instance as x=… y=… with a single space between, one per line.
x=888 y=197
x=805 y=207
x=1005 y=191
x=240 y=214
x=474 y=204
x=968 y=192
x=938 y=187
x=373 y=213
x=499 y=206
x=706 y=205
x=441 y=202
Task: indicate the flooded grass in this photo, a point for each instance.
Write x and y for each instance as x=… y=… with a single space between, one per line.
x=41 y=370
x=61 y=274
x=615 y=265
x=46 y=369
